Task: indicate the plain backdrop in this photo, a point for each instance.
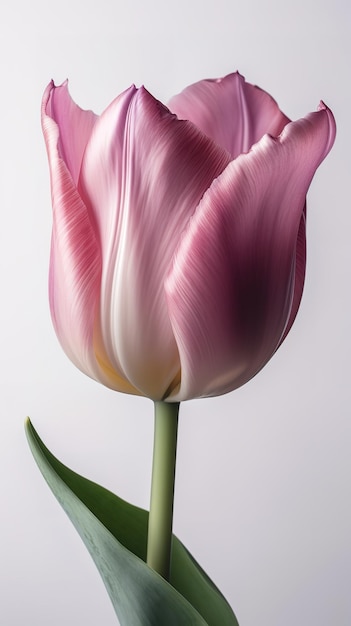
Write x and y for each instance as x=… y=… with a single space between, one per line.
x=263 y=476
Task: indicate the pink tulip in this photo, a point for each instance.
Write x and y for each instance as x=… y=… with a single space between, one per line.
x=178 y=247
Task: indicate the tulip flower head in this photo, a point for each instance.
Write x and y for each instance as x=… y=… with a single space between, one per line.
x=178 y=245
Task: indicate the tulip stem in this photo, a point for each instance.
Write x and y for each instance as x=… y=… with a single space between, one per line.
x=162 y=487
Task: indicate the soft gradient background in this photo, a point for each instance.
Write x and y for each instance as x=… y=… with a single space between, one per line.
x=263 y=476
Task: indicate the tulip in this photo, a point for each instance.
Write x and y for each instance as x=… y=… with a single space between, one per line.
x=178 y=245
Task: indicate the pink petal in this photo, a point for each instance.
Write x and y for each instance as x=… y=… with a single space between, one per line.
x=238 y=273
x=143 y=174
x=75 y=126
x=232 y=112
x=75 y=264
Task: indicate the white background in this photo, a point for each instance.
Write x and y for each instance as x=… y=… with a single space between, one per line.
x=263 y=475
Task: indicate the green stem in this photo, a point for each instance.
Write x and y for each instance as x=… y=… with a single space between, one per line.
x=162 y=487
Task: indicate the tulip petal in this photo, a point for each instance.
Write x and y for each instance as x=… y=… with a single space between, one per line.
x=232 y=112
x=75 y=126
x=234 y=285
x=75 y=263
x=143 y=174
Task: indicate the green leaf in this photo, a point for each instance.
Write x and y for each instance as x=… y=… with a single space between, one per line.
x=115 y=533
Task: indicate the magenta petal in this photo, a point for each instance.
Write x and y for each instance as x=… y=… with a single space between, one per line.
x=238 y=273
x=143 y=174
x=232 y=112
